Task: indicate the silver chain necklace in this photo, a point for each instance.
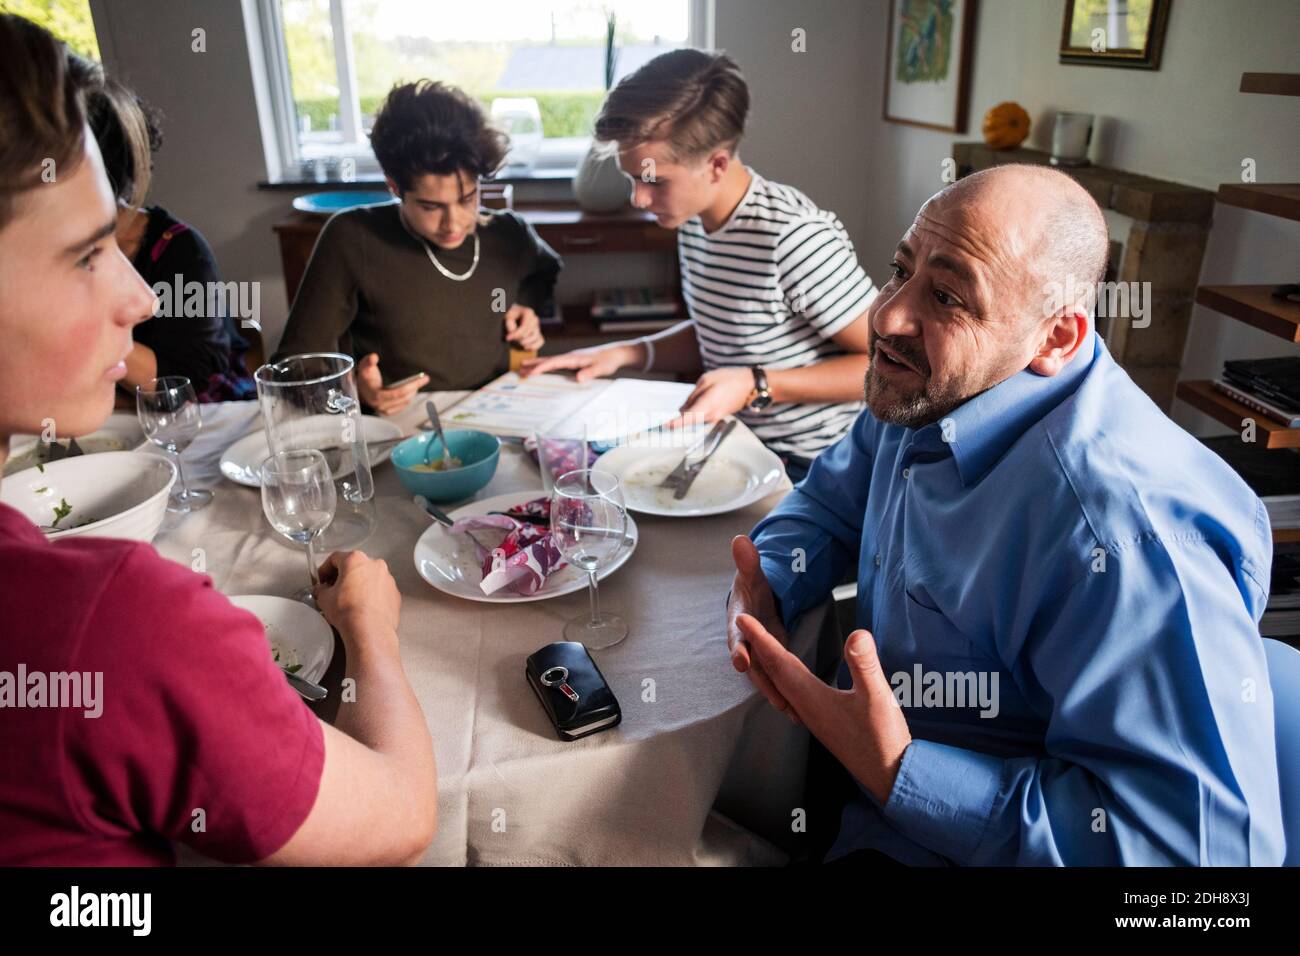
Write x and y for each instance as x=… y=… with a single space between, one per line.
x=438 y=265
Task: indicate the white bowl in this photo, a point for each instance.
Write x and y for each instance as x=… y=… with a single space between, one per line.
x=299 y=634
x=123 y=492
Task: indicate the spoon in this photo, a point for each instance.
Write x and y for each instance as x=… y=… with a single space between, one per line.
x=448 y=462
x=443 y=519
x=308 y=689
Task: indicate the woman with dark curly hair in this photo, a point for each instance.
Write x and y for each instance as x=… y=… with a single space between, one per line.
x=433 y=285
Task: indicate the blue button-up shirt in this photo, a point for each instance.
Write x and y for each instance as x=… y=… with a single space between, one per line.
x=1064 y=588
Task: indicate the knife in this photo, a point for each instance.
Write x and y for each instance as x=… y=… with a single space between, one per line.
x=675 y=477
x=693 y=472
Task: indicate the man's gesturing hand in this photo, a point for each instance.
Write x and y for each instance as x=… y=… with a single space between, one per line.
x=864 y=727
x=752 y=595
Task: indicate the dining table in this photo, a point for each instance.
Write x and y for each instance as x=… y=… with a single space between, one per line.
x=700 y=770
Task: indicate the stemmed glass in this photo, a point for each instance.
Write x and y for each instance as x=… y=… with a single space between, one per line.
x=169 y=414
x=589 y=526
x=298 y=499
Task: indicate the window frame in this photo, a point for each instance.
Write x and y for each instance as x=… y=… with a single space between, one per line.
x=274 y=90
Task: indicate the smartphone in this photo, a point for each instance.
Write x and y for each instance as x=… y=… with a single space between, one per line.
x=572 y=690
x=405 y=381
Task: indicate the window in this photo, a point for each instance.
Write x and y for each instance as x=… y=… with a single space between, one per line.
x=538 y=67
x=69 y=20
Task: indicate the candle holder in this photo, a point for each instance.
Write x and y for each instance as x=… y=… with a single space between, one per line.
x=1071 y=136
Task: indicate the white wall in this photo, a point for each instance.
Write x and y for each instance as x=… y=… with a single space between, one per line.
x=811 y=113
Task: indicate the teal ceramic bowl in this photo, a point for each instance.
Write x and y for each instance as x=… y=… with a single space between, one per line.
x=325 y=204
x=478 y=452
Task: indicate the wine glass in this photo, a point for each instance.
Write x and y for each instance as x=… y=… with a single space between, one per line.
x=169 y=414
x=298 y=499
x=589 y=526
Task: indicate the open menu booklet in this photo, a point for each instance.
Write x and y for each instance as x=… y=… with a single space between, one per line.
x=607 y=410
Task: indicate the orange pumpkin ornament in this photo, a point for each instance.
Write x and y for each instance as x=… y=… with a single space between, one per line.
x=1006 y=126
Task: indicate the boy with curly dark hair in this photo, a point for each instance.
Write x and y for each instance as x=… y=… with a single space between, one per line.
x=427 y=284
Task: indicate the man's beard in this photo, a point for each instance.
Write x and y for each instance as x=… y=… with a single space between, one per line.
x=914 y=407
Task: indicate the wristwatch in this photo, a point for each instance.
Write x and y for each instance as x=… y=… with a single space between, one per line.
x=761 y=396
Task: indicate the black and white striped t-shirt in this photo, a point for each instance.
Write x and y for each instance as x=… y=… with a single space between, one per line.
x=770 y=287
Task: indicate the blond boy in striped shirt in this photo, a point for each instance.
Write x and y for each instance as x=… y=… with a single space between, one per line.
x=778 y=303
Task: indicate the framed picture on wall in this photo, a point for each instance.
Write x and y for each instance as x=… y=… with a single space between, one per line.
x=1127 y=33
x=928 y=63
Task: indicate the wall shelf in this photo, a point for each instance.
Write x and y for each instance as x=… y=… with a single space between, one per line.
x=1204 y=396
x=1278 y=84
x=1254 y=305
x=1275 y=199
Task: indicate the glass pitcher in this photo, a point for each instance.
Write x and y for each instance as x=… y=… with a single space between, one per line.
x=310 y=401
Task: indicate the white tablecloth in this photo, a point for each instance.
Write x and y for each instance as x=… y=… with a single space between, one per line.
x=700 y=771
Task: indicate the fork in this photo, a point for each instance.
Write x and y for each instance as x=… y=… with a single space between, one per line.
x=674 y=477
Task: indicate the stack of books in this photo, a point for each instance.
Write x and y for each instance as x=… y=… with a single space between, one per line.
x=635 y=310
x=1282 y=615
x=1269 y=386
x=1273 y=475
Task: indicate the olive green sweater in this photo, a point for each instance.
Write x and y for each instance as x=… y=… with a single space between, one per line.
x=370 y=287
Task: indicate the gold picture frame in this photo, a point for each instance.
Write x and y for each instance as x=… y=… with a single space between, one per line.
x=1125 y=33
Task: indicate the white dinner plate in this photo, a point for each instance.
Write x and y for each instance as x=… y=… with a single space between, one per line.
x=741 y=472
x=299 y=634
x=121 y=432
x=449 y=562
x=242 y=461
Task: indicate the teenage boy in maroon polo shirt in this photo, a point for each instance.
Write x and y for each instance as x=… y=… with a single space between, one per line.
x=192 y=734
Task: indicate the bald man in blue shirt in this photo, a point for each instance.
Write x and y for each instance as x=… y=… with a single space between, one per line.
x=1058 y=659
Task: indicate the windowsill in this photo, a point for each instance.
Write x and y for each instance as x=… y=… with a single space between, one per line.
x=557 y=160
x=376 y=180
